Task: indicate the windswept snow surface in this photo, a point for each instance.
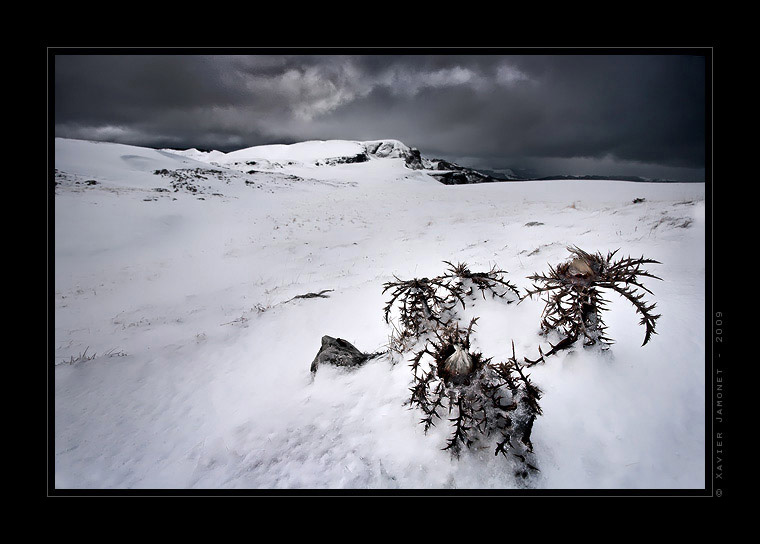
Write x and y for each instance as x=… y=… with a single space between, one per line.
x=180 y=285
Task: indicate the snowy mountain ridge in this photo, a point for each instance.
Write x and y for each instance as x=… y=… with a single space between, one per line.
x=333 y=152
x=312 y=152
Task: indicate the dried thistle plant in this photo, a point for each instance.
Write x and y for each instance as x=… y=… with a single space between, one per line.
x=424 y=304
x=492 y=281
x=574 y=303
x=427 y=304
x=483 y=400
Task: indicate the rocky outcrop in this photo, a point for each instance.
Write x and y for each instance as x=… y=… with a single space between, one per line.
x=359 y=157
x=393 y=149
x=338 y=352
x=445 y=165
x=463 y=176
x=453 y=174
x=386 y=149
x=413 y=159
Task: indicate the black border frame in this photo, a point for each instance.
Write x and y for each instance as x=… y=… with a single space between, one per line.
x=714 y=365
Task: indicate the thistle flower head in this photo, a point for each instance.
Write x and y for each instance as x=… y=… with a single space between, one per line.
x=458 y=363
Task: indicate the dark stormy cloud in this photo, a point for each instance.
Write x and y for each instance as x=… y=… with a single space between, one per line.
x=596 y=114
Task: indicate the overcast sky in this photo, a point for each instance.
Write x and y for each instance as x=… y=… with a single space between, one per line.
x=596 y=114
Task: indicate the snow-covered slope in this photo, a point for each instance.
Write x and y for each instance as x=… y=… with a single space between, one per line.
x=116 y=165
x=304 y=152
x=178 y=272
x=195 y=154
x=314 y=152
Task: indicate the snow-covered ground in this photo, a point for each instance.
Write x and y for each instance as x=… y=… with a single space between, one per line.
x=201 y=371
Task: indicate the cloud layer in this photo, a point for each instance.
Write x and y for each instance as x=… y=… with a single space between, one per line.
x=642 y=113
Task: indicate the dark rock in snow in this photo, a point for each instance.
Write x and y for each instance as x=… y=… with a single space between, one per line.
x=453 y=174
x=446 y=165
x=360 y=157
x=338 y=352
x=413 y=159
x=462 y=177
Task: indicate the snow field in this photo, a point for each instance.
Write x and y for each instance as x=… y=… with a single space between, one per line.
x=207 y=383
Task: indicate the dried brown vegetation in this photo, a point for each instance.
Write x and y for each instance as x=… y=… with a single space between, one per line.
x=426 y=304
x=483 y=401
x=574 y=302
x=451 y=380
